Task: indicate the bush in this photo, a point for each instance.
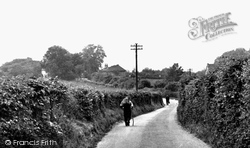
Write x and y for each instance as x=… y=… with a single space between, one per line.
x=144 y=83
x=159 y=84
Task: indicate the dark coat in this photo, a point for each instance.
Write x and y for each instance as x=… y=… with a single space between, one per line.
x=127 y=105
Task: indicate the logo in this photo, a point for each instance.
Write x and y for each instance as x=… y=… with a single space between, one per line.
x=7 y=142
x=211 y=28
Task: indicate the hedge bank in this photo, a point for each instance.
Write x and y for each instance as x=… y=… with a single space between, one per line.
x=38 y=110
x=216 y=107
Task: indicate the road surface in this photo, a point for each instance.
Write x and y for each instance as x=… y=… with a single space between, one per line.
x=158 y=129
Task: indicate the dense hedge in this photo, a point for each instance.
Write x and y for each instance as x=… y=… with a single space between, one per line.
x=36 y=109
x=27 y=110
x=217 y=106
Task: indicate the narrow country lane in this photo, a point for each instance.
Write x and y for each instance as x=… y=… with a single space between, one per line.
x=158 y=129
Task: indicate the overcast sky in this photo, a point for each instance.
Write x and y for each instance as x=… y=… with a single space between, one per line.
x=29 y=27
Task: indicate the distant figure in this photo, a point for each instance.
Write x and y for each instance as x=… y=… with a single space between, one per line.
x=167 y=99
x=127 y=106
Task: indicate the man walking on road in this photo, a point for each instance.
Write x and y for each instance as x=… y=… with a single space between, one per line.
x=127 y=106
x=167 y=99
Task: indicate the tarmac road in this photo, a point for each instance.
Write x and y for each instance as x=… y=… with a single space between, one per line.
x=158 y=129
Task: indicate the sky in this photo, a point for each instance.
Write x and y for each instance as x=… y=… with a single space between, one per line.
x=29 y=27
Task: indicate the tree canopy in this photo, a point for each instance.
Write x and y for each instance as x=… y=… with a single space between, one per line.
x=92 y=57
x=59 y=62
x=150 y=73
x=239 y=53
x=173 y=73
x=27 y=67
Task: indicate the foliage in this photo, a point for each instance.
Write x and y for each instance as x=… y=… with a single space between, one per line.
x=126 y=83
x=148 y=73
x=239 y=53
x=147 y=78
x=27 y=67
x=159 y=84
x=219 y=102
x=144 y=83
x=201 y=73
x=27 y=110
x=103 y=77
x=117 y=81
x=77 y=61
x=172 y=86
x=169 y=93
x=173 y=73
x=59 y=62
x=93 y=58
x=37 y=109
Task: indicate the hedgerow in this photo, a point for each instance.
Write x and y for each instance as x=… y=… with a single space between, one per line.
x=217 y=106
x=27 y=110
x=37 y=109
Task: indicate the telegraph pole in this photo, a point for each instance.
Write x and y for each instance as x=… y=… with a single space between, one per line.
x=136 y=67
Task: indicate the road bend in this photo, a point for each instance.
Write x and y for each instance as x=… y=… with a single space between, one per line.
x=157 y=129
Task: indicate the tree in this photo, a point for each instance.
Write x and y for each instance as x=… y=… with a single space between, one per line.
x=173 y=73
x=150 y=73
x=239 y=53
x=92 y=56
x=27 y=67
x=78 y=61
x=58 y=62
